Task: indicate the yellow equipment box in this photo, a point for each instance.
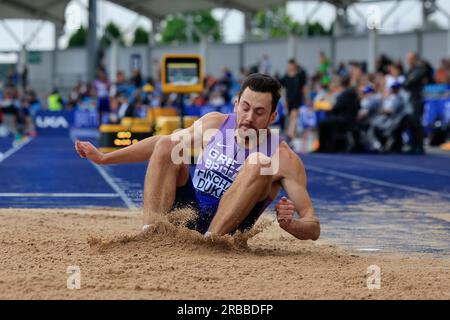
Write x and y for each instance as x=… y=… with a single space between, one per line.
x=167 y=125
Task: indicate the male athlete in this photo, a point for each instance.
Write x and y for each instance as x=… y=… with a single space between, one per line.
x=236 y=176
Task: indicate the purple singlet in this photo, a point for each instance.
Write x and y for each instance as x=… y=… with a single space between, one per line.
x=219 y=166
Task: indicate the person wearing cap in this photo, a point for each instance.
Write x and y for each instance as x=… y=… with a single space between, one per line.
x=394 y=118
x=371 y=102
x=394 y=75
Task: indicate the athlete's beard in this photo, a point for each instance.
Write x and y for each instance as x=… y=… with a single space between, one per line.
x=251 y=137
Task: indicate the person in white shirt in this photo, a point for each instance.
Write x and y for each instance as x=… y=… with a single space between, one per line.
x=394 y=76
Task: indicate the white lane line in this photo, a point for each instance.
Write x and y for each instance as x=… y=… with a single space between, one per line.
x=115 y=187
x=388 y=165
x=375 y=181
x=109 y=180
x=60 y=195
x=14 y=149
x=368 y=249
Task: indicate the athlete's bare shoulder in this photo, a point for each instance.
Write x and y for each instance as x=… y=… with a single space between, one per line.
x=290 y=162
x=211 y=120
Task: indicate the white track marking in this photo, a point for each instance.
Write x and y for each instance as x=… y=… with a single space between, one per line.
x=387 y=165
x=375 y=181
x=115 y=187
x=61 y=195
x=14 y=149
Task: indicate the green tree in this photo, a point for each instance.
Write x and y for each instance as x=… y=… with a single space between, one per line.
x=140 y=36
x=176 y=28
x=205 y=22
x=111 y=31
x=280 y=24
x=78 y=38
x=317 y=29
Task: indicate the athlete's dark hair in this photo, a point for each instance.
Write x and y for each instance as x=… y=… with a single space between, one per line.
x=262 y=83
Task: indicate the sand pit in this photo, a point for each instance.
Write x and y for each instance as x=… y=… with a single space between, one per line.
x=117 y=261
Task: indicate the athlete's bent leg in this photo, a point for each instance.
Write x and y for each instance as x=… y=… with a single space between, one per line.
x=249 y=188
x=161 y=180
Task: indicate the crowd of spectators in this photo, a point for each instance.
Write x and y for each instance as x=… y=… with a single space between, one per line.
x=354 y=110
x=347 y=107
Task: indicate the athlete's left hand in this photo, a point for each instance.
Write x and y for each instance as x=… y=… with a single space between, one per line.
x=285 y=212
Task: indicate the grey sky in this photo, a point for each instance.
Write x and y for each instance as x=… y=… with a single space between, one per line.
x=406 y=17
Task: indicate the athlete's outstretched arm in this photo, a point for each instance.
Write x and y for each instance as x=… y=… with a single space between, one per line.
x=138 y=152
x=143 y=150
x=293 y=180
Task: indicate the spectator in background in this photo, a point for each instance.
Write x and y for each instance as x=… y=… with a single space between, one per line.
x=102 y=86
x=383 y=64
x=265 y=65
x=254 y=68
x=35 y=104
x=341 y=118
x=24 y=77
x=393 y=119
x=55 y=102
x=216 y=98
x=225 y=82
x=308 y=125
x=12 y=77
x=122 y=102
x=322 y=92
x=356 y=74
x=443 y=73
x=9 y=108
x=243 y=73
x=75 y=96
x=294 y=83
x=137 y=107
x=376 y=79
x=342 y=70
x=89 y=99
x=209 y=83
x=120 y=84
x=136 y=78
x=416 y=79
x=25 y=126
x=394 y=75
x=324 y=68
x=371 y=104
x=430 y=72
x=113 y=115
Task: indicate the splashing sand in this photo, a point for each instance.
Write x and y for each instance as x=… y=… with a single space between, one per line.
x=170 y=230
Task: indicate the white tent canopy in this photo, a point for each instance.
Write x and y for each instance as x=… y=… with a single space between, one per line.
x=161 y=8
x=53 y=10
x=50 y=10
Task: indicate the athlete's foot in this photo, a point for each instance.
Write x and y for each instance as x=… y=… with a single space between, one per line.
x=145 y=227
x=207 y=235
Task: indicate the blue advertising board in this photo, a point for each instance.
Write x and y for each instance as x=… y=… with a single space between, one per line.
x=60 y=122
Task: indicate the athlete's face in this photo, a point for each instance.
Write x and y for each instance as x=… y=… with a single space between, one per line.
x=254 y=110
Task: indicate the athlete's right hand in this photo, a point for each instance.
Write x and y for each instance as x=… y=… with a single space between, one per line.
x=285 y=212
x=86 y=149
